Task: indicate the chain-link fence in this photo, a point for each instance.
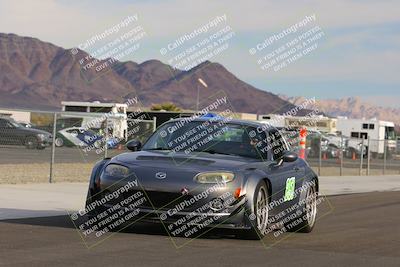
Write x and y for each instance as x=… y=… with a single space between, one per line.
x=39 y=146
x=330 y=154
x=63 y=146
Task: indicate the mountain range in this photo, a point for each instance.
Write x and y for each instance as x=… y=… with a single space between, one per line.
x=352 y=107
x=39 y=75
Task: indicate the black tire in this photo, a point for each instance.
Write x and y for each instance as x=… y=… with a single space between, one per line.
x=31 y=142
x=258 y=219
x=309 y=214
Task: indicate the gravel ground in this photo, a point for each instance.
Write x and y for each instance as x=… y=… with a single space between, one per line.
x=39 y=173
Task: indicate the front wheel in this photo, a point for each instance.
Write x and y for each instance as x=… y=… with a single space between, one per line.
x=59 y=142
x=31 y=142
x=259 y=218
x=309 y=213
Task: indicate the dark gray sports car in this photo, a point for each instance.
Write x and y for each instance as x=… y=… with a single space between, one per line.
x=198 y=173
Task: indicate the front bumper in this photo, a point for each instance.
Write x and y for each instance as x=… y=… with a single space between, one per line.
x=45 y=142
x=224 y=221
x=231 y=217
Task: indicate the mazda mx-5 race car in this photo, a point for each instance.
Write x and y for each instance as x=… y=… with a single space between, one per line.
x=199 y=173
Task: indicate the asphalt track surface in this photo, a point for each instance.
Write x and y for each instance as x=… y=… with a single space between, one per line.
x=361 y=230
x=21 y=155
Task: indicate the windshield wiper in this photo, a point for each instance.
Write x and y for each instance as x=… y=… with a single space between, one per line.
x=158 y=148
x=217 y=152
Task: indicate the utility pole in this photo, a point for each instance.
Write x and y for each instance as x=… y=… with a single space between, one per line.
x=200 y=80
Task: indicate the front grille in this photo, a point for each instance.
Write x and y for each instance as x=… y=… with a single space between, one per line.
x=161 y=199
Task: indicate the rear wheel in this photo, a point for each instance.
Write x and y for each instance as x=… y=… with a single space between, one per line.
x=259 y=218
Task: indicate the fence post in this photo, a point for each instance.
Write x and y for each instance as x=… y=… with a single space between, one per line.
x=341 y=155
x=53 y=147
x=368 y=155
x=106 y=139
x=320 y=155
x=384 y=155
x=362 y=156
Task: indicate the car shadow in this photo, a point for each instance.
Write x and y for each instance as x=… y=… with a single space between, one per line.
x=64 y=221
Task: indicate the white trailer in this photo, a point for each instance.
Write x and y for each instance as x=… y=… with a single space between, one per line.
x=312 y=123
x=98 y=115
x=380 y=133
x=17 y=115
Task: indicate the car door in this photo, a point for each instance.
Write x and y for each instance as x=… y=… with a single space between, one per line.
x=83 y=137
x=285 y=177
x=73 y=136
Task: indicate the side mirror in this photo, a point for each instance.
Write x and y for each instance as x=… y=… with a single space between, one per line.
x=134 y=145
x=289 y=156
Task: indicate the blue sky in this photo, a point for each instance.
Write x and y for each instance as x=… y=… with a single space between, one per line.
x=359 y=54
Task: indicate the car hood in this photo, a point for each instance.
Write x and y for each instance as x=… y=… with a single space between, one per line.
x=199 y=162
x=33 y=131
x=177 y=170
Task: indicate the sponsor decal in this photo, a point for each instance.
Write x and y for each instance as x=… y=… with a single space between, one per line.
x=290 y=186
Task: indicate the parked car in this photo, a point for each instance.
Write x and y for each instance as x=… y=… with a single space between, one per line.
x=331 y=145
x=81 y=137
x=27 y=124
x=354 y=148
x=328 y=149
x=13 y=133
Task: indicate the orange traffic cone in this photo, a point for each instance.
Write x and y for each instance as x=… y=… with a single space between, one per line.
x=302 y=153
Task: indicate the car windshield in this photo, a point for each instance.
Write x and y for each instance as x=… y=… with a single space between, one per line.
x=89 y=132
x=15 y=124
x=207 y=137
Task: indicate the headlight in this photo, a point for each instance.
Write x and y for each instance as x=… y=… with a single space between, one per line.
x=41 y=136
x=214 y=177
x=115 y=170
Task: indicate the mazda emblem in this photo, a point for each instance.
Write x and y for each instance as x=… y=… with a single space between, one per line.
x=161 y=175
